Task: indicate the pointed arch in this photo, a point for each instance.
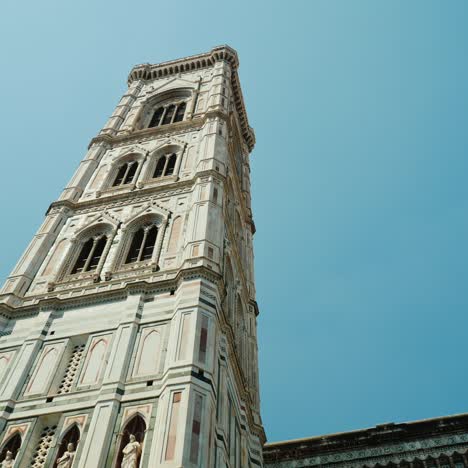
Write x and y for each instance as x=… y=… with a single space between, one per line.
x=136 y=426
x=104 y=223
x=4 y=362
x=142 y=237
x=89 y=247
x=13 y=444
x=94 y=362
x=45 y=368
x=165 y=108
x=71 y=436
x=149 y=354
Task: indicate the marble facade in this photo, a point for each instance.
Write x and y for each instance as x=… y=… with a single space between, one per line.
x=151 y=362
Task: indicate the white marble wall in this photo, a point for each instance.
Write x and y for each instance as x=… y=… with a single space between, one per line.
x=170 y=343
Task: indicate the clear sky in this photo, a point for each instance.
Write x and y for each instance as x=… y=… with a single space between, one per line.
x=359 y=179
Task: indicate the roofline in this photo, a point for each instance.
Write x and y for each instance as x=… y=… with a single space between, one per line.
x=364 y=430
x=225 y=53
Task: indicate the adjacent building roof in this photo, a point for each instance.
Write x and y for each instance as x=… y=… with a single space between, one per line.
x=388 y=444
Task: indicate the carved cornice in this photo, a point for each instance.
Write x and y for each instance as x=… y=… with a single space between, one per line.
x=148 y=72
x=383 y=445
x=132 y=196
x=149 y=134
x=162 y=284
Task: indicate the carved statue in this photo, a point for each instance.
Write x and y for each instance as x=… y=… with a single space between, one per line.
x=9 y=460
x=131 y=453
x=66 y=460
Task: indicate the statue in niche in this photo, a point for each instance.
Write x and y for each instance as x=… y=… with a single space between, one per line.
x=66 y=460
x=131 y=453
x=9 y=460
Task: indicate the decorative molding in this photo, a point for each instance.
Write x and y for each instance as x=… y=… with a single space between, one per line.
x=149 y=72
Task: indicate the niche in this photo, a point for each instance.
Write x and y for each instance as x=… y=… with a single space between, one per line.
x=137 y=427
x=13 y=445
x=72 y=436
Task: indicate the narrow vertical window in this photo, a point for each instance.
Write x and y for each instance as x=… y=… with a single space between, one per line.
x=97 y=253
x=170 y=165
x=196 y=428
x=203 y=339
x=131 y=173
x=120 y=175
x=180 y=112
x=135 y=247
x=150 y=241
x=167 y=119
x=156 y=119
x=159 y=171
x=83 y=257
x=172 y=435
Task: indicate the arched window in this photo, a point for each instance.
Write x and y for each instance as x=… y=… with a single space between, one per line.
x=71 y=437
x=165 y=166
x=13 y=446
x=90 y=254
x=136 y=427
x=171 y=164
x=143 y=243
x=167 y=114
x=126 y=173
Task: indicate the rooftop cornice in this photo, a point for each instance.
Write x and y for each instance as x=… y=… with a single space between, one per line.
x=147 y=72
x=389 y=432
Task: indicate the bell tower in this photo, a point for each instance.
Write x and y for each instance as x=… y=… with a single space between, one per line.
x=128 y=326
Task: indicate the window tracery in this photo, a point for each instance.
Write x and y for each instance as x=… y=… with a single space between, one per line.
x=125 y=173
x=90 y=254
x=140 y=244
x=167 y=114
x=143 y=243
x=165 y=165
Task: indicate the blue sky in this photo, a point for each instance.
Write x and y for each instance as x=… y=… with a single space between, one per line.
x=359 y=179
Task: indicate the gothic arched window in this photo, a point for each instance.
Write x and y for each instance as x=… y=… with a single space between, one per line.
x=167 y=114
x=142 y=245
x=165 y=166
x=125 y=173
x=90 y=254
